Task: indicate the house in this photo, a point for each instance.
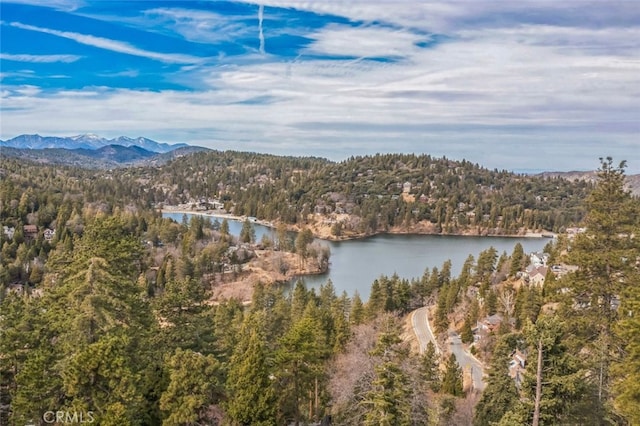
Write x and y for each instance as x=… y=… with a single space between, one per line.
x=535 y=275
x=490 y=323
x=30 y=232
x=8 y=231
x=406 y=187
x=539 y=259
x=49 y=234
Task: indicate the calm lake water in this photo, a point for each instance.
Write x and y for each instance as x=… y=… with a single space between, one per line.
x=356 y=263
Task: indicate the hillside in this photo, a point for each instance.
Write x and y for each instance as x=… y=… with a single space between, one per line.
x=372 y=194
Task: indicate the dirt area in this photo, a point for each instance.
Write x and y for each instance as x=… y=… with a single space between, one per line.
x=268 y=267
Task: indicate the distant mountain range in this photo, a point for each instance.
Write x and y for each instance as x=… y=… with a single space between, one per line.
x=88 y=141
x=92 y=151
x=632 y=182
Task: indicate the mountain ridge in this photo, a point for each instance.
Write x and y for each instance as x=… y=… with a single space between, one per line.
x=106 y=157
x=87 y=141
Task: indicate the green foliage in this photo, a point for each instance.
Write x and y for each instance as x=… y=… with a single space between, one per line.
x=251 y=391
x=194 y=385
x=517 y=259
x=564 y=397
x=299 y=359
x=430 y=367
x=626 y=371
x=500 y=394
x=466 y=334
x=357 y=314
x=247 y=233
x=388 y=401
x=452 y=377
x=606 y=276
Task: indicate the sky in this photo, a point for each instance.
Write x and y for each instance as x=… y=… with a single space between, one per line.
x=517 y=85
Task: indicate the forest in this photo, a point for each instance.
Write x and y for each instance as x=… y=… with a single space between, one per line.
x=109 y=318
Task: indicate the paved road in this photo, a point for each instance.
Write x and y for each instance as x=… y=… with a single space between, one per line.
x=466 y=361
x=422 y=330
x=424 y=333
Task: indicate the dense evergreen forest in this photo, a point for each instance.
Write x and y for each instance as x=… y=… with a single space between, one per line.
x=110 y=318
x=381 y=191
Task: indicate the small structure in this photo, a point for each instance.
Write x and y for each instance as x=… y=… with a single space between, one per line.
x=539 y=259
x=30 y=232
x=490 y=323
x=8 y=231
x=49 y=234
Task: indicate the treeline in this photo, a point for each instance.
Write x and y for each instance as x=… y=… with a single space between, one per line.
x=379 y=192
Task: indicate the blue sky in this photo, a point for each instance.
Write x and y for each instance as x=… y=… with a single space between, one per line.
x=539 y=85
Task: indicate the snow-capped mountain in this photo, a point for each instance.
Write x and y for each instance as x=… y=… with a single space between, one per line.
x=87 y=141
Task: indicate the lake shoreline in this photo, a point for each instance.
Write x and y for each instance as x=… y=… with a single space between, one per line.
x=353 y=237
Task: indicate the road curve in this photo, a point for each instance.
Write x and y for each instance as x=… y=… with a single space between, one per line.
x=424 y=333
x=422 y=329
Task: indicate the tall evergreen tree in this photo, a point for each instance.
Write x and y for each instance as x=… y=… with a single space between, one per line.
x=251 y=399
x=452 y=377
x=388 y=402
x=603 y=254
x=195 y=384
x=500 y=394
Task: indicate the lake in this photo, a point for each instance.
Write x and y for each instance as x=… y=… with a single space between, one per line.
x=356 y=263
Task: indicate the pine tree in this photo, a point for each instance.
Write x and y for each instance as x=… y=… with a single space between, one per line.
x=553 y=389
x=517 y=258
x=429 y=367
x=626 y=371
x=452 y=378
x=357 y=309
x=251 y=400
x=388 y=402
x=603 y=254
x=195 y=383
x=299 y=358
x=466 y=334
x=500 y=394
x=247 y=233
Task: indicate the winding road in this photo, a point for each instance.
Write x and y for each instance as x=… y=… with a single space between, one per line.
x=424 y=333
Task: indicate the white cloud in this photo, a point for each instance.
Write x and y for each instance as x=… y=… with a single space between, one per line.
x=502 y=92
x=109 y=44
x=196 y=25
x=370 y=42
x=39 y=58
x=68 y=5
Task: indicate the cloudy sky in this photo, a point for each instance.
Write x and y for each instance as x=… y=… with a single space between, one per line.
x=519 y=85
